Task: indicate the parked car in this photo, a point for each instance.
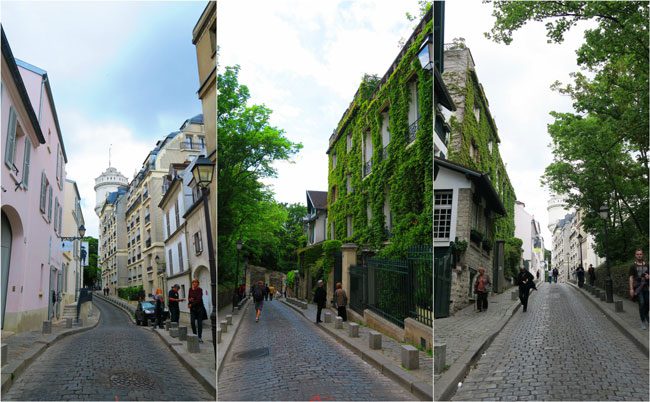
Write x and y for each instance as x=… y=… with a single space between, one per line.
x=145 y=312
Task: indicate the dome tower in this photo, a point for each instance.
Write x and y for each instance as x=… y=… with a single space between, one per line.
x=105 y=183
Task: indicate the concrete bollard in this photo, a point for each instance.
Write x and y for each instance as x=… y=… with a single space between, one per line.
x=514 y=295
x=218 y=335
x=439 y=357
x=5 y=350
x=328 y=317
x=193 y=344
x=618 y=306
x=47 y=327
x=173 y=332
x=374 y=340
x=410 y=357
x=229 y=319
x=353 y=330
x=339 y=323
x=182 y=333
x=68 y=322
x=224 y=326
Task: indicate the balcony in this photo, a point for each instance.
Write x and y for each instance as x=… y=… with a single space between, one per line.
x=367 y=168
x=147 y=243
x=192 y=146
x=413 y=129
x=147 y=219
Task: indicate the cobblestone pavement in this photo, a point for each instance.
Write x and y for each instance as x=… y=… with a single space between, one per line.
x=115 y=361
x=290 y=359
x=563 y=348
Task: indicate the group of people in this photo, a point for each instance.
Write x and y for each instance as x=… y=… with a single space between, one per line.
x=262 y=292
x=483 y=286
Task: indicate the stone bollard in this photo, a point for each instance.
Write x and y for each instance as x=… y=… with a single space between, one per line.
x=224 y=326
x=182 y=333
x=439 y=357
x=339 y=323
x=68 y=322
x=328 y=317
x=167 y=326
x=193 y=344
x=173 y=332
x=5 y=350
x=353 y=330
x=218 y=335
x=47 y=327
x=410 y=357
x=229 y=319
x=514 y=295
x=618 y=306
x=374 y=340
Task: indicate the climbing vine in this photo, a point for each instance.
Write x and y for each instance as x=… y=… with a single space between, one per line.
x=404 y=173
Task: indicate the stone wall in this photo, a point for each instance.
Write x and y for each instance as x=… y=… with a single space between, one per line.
x=414 y=331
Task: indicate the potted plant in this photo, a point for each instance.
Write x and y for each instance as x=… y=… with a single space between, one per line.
x=476 y=236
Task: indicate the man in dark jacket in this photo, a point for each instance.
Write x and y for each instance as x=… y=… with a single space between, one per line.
x=320 y=298
x=526 y=281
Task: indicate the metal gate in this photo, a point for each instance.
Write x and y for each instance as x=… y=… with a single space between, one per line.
x=358 y=288
x=338 y=269
x=442 y=262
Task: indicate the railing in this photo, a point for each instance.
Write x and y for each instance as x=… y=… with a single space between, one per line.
x=367 y=168
x=413 y=129
x=194 y=146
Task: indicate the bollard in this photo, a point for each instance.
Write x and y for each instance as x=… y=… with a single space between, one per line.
x=47 y=327
x=328 y=317
x=229 y=319
x=224 y=326
x=173 y=332
x=68 y=322
x=410 y=357
x=182 y=333
x=353 y=330
x=193 y=344
x=439 y=356
x=374 y=340
x=514 y=295
x=339 y=323
x=167 y=326
x=218 y=335
x=5 y=350
x=618 y=306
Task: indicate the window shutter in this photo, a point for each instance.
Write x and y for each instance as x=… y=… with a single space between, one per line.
x=26 y=160
x=58 y=163
x=43 y=191
x=10 y=149
x=60 y=214
x=49 y=203
x=56 y=215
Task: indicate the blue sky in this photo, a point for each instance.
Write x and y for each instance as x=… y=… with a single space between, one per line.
x=122 y=73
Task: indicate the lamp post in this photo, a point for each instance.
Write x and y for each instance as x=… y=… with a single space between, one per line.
x=580 y=247
x=82 y=234
x=609 y=291
x=202 y=172
x=425 y=53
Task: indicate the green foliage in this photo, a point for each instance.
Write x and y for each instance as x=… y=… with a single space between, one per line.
x=547 y=258
x=601 y=150
x=620 y=277
x=92 y=273
x=290 y=278
x=404 y=176
x=130 y=293
x=512 y=256
x=319 y=259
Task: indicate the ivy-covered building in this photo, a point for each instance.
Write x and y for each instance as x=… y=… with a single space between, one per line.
x=380 y=182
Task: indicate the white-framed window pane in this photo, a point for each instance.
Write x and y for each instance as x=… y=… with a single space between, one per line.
x=442 y=214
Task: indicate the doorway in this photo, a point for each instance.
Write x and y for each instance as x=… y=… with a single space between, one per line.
x=6 y=261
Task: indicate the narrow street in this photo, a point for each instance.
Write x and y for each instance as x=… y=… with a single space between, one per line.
x=115 y=361
x=563 y=348
x=284 y=357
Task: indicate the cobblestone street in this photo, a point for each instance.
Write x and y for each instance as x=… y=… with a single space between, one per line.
x=115 y=361
x=563 y=348
x=285 y=357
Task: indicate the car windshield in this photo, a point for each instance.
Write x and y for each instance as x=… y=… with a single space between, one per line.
x=147 y=306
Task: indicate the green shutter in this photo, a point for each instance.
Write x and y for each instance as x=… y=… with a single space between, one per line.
x=26 y=159
x=10 y=149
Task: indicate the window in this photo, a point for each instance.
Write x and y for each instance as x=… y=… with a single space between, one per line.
x=198 y=243
x=44 y=185
x=476 y=212
x=188 y=141
x=333 y=159
x=414 y=113
x=442 y=214
x=385 y=134
x=348 y=184
x=60 y=217
x=332 y=233
x=477 y=113
x=201 y=141
x=167 y=222
x=473 y=152
x=26 y=160
x=56 y=215
x=213 y=38
x=333 y=196
x=10 y=146
x=367 y=154
x=180 y=257
x=388 y=221
x=350 y=229
x=171 y=262
x=178 y=221
x=58 y=164
x=368 y=211
x=490 y=146
x=49 y=203
x=348 y=142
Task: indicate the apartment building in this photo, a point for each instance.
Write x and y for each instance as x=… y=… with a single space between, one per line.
x=72 y=265
x=113 y=252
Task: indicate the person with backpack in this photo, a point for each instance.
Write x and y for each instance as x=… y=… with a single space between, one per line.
x=258 y=298
x=555 y=274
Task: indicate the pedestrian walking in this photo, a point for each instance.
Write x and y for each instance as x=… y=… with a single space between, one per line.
x=320 y=298
x=525 y=281
x=158 y=311
x=538 y=274
x=197 y=309
x=173 y=299
x=482 y=286
x=639 y=277
x=271 y=292
x=285 y=292
x=581 y=275
x=555 y=274
x=591 y=272
x=258 y=298
x=341 y=300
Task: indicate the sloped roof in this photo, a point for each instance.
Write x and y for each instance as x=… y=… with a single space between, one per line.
x=318 y=198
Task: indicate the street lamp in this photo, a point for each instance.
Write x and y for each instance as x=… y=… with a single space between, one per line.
x=202 y=172
x=609 y=291
x=580 y=247
x=425 y=53
x=82 y=234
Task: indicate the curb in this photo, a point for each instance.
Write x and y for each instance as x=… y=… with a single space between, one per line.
x=197 y=373
x=11 y=371
x=447 y=384
x=618 y=323
x=235 y=329
x=385 y=366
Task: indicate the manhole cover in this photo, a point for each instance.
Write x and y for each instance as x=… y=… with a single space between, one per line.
x=252 y=354
x=131 y=379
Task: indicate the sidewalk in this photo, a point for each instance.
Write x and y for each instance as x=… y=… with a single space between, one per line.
x=23 y=348
x=201 y=365
x=226 y=338
x=467 y=333
x=387 y=360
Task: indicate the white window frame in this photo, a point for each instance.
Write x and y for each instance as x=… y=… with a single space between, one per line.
x=438 y=218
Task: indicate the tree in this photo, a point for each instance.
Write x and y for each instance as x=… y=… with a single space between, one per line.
x=601 y=150
x=247 y=147
x=92 y=273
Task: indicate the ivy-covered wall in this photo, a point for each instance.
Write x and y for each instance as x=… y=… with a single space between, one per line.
x=405 y=175
x=474 y=141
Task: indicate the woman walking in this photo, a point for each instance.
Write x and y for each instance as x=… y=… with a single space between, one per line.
x=481 y=288
x=197 y=310
x=341 y=299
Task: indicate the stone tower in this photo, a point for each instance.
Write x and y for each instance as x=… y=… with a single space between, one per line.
x=107 y=182
x=557 y=209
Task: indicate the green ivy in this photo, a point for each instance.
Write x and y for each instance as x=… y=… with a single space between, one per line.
x=405 y=174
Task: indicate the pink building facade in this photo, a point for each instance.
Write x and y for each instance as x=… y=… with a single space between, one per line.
x=32 y=196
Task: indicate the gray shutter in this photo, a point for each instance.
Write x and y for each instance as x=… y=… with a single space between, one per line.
x=26 y=161
x=43 y=191
x=10 y=149
x=49 y=203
